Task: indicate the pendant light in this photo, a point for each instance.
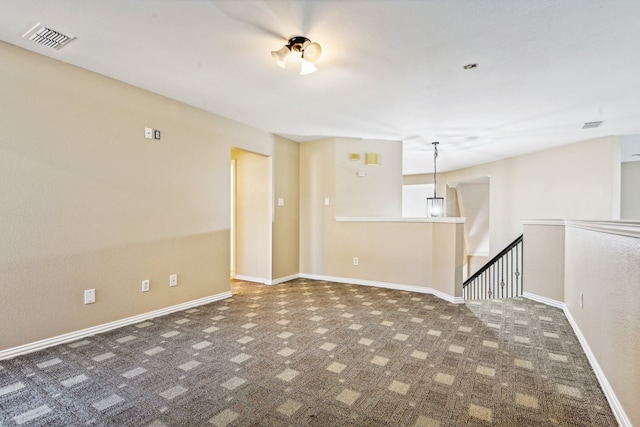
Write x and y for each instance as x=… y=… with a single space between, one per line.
x=435 y=204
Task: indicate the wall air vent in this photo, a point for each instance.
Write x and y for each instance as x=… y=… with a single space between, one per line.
x=591 y=125
x=47 y=37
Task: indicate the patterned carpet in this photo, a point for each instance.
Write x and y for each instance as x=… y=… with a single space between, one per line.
x=314 y=353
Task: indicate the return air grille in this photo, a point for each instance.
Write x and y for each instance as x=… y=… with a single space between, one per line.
x=591 y=125
x=47 y=37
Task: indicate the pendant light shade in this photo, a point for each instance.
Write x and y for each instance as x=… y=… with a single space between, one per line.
x=435 y=207
x=435 y=204
x=312 y=52
x=307 y=67
x=281 y=55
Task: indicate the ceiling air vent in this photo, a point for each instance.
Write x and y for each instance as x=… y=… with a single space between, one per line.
x=47 y=37
x=591 y=125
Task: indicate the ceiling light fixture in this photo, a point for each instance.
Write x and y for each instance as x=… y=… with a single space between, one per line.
x=435 y=204
x=310 y=52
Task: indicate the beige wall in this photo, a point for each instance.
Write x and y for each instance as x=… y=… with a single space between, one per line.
x=391 y=252
x=253 y=216
x=543 y=269
x=605 y=268
x=578 y=181
x=379 y=193
x=630 y=191
x=317 y=182
x=87 y=202
x=473 y=200
x=286 y=220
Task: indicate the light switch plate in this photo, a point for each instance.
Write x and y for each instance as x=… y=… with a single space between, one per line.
x=148 y=133
x=89 y=296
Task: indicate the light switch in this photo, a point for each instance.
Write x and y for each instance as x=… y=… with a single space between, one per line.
x=148 y=133
x=326 y=201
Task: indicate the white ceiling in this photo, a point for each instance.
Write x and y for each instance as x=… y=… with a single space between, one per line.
x=390 y=69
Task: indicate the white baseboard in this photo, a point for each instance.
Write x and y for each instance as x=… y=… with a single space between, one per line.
x=386 y=285
x=252 y=279
x=282 y=279
x=616 y=407
x=543 y=300
x=73 y=336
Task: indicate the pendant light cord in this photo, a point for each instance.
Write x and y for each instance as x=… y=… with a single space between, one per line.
x=435 y=156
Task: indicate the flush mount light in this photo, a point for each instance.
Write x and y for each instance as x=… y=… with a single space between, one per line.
x=309 y=51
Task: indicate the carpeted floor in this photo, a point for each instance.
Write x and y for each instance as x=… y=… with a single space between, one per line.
x=319 y=354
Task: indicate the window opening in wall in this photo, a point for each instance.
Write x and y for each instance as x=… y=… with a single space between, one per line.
x=413 y=200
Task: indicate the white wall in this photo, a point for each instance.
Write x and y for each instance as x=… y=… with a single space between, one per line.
x=414 y=200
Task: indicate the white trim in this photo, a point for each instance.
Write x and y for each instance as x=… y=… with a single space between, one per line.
x=482 y=254
x=447 y=220
x=543 y=300
x=73 y=336
x=620 y=228
x=282 y=279
x=616 y=407
x=251 y=279
x=386 y=285
x=543 y=222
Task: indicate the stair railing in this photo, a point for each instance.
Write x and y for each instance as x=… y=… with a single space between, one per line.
x=499 y=278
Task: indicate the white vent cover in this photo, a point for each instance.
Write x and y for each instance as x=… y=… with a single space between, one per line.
x=47 y=37
x=591 y=125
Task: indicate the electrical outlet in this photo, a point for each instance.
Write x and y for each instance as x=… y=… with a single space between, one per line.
x=89 y=296
x=145 y=286
x=355 y=260
x=173 y=280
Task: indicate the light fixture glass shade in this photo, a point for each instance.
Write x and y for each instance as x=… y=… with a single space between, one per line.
x=435 y=207
x=280 y=56
x=307 y=68
x=312 y=52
